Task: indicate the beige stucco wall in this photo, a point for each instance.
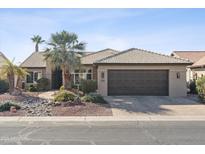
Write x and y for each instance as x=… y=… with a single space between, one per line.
x=200 y=72
x=177 y=87
x=48 y=72
x=189 y=74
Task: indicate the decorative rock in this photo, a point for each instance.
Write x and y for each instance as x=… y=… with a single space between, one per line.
x=16 y=92
x=29 y=111
x=49 y=114
x=57 y=103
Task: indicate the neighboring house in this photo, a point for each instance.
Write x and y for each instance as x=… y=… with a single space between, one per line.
x=197 y=68
x=131 y=72
x=36 y=67
x=2 y=60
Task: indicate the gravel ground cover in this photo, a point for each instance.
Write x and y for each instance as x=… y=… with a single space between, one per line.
x=33 y=105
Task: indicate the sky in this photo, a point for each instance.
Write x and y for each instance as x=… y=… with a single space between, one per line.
x=158 y=30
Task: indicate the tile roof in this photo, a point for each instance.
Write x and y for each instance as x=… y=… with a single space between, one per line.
x=191 y=55
x=139 y=56
x=92 y=57
x=199 y=63
x=36 y=59
x=85 y=53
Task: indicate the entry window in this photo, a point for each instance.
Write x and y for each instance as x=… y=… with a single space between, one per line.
x=29 y=77
x=84 y=74
x=77 y=78
x=89 y=74
x=33 y=77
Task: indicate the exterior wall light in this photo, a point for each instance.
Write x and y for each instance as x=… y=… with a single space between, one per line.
x=102 y=75
x=178 y=75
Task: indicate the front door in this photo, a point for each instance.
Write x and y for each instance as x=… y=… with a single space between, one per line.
x=56 y=79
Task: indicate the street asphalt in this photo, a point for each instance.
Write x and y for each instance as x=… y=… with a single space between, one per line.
x=103 y=133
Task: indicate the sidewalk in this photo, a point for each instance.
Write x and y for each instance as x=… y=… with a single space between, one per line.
x=103 y=118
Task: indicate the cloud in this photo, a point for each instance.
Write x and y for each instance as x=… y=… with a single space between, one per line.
x=101 y=28
x=164 y=41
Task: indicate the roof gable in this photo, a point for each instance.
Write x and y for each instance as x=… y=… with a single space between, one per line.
x=190 y=55
x=139 y=56
x=36 y=59
x=93 y=57
x=2 y=59
x=199 y=63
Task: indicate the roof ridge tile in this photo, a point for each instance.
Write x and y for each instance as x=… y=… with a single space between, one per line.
x=165 y=55
x=143 y=50
x=99 y=52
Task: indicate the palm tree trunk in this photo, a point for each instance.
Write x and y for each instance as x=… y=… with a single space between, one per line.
x=36 y=47
x=66 y=78
x=63 y=76
x=11 y=83
x=18 y=82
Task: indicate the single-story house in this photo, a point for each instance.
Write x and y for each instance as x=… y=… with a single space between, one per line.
x=197 y=68
x=2 y=60
x=130 y=72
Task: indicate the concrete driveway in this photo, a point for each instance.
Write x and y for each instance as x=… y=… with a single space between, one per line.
x=155 y=105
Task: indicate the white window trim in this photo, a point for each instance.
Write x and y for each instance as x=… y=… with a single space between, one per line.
x=34 y=76
x=84 y=76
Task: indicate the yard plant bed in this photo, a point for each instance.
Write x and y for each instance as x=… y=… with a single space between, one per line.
x=33 y=105
x=84 y=109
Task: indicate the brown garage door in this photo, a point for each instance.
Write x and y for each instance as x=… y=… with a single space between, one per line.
x=138 y=82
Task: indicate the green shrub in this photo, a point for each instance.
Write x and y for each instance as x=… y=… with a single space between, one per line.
x=7 y=105
x=62 y=88
x=74 y=86
x=87 y=98
x=33 y=88
x=94 y=98
x=89 y=86
x=43 y=84
x=64 y=96
x=4 y=86
x=200 y=85
x=192 y=87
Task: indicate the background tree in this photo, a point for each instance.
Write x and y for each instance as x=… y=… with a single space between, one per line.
x=8 y=71
x=62 y=54
x=20 y=73
x=37 y=40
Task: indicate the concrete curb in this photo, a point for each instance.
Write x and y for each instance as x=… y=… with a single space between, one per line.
x=102 y=118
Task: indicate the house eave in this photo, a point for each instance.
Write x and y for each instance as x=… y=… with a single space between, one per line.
x=141 y=63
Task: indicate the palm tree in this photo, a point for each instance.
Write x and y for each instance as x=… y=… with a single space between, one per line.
x=20 y=73
x=37 y=40
x=9 y=70
x=61 y=54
